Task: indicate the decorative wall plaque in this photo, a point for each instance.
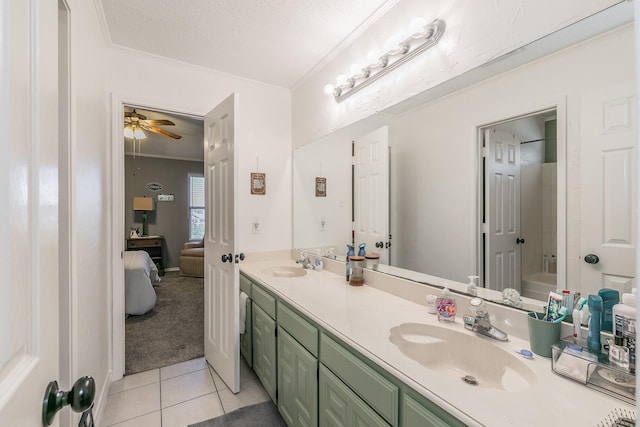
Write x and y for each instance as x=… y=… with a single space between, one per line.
x=258 y=183
x=321 y=187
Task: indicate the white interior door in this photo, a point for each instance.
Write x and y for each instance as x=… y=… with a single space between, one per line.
x=608 y=164
x=371 y=193
x=502 y=210
x=221 y=277
x=29 y=348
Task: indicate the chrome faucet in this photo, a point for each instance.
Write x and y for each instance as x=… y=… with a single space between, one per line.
x=478 y=321
x=303 y=259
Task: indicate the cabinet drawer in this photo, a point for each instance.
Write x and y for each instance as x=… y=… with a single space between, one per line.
x=304 y=332
x=245 y=285
x=143 y=243
x=340 y=406
x=264 y=299
x=377 y=391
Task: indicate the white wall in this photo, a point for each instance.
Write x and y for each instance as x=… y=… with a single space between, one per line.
x=264 y=135
x=436 y=156
x=477 y=32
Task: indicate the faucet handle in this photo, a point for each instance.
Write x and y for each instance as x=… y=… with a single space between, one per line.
x=478 y=308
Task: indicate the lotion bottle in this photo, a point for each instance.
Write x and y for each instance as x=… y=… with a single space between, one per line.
x=595 y=311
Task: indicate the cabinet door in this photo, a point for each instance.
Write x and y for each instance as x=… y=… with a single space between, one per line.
x=264 y=350
x=339 y=406
x=297 y=383
x=416 y=415
x=246 y=340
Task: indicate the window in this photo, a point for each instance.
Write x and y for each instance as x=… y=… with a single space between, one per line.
x=196 y=207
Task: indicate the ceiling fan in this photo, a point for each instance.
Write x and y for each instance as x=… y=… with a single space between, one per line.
x=135 y=124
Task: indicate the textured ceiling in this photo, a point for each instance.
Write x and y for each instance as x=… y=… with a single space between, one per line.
x=272 y=41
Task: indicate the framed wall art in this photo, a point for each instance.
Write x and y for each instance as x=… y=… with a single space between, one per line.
x=258 y=183
x=321 y=187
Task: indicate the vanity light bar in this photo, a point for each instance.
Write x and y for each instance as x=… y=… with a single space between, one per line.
x=387 y=62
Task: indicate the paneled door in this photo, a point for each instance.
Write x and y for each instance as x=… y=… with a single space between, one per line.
x=29 y=309
x=502 y=210
x=371 y=192
x=221 y=276
x=608 y=182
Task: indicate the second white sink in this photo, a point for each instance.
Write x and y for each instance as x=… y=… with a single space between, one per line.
x=288 y=271
x=459 y=354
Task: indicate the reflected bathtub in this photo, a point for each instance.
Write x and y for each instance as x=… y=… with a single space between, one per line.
x=538 y=285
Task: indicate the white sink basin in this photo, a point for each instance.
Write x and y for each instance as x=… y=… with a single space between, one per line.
x=287 y=271
x=458 y=354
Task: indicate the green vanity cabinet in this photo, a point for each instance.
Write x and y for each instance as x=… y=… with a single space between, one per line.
x=419 y=412
x=297 y=369
x=246 y=339
x=264 y=339
x=341 y=407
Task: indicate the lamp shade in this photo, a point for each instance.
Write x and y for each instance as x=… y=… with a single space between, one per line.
x=144 y=204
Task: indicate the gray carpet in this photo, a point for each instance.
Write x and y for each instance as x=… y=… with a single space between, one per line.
x=173 y=331
x=263 y=414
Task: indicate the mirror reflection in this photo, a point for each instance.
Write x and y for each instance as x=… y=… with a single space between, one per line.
x=445 y=214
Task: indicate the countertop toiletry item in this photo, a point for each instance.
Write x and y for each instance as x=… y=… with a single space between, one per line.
x=372 y=261
x=431 y=304
x=610 y=297
x=577 y=318
x=553 y=306
x=624 y=324
x=595 y=311
x=552 y=265
x=361 y=249
x=472 y=287
x=318 y=264
x=545 y=263
x=527 y=354
x=446 y=306
x=567 y=299
x=563 y=313
x=356 y=276
x=350 y=253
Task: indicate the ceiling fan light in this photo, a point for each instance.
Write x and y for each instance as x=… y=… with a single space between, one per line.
x=139 y=133
x=128 y=132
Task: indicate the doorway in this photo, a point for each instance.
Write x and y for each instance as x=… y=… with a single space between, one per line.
x=519 y=194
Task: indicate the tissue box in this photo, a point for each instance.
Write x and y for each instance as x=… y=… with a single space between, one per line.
x=574 y=360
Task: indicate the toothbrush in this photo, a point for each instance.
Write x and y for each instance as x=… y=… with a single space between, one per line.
x=577 y=317
x=563 y=313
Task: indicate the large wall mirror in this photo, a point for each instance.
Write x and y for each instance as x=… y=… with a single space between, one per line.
x=559 y=113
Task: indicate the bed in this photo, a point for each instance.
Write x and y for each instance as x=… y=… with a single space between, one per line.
x=139 y=275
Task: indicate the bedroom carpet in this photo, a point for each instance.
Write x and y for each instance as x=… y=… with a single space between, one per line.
x=173 y=331
x=263 y=414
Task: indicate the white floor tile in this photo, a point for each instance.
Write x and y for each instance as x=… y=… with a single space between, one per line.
x=153 y=419
x=185 y=387
x=136 y=380
x=192 y=411
x=220 y=385
x=182 y=368
x=132 y=403
x=250 y=393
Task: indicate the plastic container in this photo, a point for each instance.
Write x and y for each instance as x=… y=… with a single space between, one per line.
x=356 y=277
x=624 y=320
x=372 y=261
x=446 y=306
x=595 y=318
x=472 y=287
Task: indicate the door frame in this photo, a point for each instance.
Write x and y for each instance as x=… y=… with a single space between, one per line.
x=118 y=222
x=515 y=113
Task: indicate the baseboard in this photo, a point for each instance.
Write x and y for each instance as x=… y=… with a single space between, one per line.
x=100 y=402
x=172 y=269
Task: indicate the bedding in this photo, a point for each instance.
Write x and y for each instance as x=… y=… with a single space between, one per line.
x=139 y=275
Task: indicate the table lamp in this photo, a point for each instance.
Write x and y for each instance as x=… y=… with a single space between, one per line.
x=144 y=204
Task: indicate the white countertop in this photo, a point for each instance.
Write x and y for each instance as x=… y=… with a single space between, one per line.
x=363 y=316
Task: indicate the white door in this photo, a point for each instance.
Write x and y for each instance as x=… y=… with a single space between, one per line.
x=608 y=164
x=371 y=193
x=502 y=210
x=29 y=349
x=221 y=277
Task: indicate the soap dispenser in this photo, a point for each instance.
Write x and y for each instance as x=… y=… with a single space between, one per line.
x=472 y=287
x=446 y=306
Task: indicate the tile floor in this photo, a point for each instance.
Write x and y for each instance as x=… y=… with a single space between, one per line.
x=178 y=395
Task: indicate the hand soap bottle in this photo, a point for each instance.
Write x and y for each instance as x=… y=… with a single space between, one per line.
x=472 y=288
x=446 y=306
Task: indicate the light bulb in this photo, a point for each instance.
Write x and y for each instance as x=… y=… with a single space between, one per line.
x=341 y=79
x=328 y=89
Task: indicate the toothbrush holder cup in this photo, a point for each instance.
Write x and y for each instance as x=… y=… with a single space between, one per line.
x=542 y=334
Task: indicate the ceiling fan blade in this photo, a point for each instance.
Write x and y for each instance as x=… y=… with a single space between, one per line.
x=159 y=122
x=159 y=131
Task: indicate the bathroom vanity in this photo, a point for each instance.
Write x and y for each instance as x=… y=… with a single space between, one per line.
x=327 y=351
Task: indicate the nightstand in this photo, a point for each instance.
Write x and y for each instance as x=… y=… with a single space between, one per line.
x=152 y=245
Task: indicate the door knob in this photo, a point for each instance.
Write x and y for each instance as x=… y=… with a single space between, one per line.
x=519 y=241
x=379 y=245
x=239 y=257
x=80 y=398
x=591 y=259
x=224 y=258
